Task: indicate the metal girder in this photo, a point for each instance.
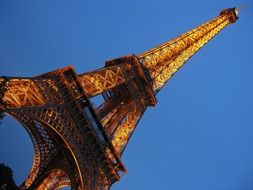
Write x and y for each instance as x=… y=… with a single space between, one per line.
x=126 y=128
x=60 y=126
x=21 y=92
x=56 y=179
x=163 y=61
x=50 y=151
x=76 y=145
x=101 y=80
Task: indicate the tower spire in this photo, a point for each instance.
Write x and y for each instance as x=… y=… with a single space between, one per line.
x=78 y=144
x=164 y=60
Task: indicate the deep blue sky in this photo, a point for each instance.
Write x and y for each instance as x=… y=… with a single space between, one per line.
x=199 y=136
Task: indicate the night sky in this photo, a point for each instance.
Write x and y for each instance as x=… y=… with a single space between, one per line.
x=199 y=136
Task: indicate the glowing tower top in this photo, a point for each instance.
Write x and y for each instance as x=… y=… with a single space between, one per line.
x=77 y=144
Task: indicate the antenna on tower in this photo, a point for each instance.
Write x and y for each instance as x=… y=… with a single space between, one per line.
x=243 y=6
x=238 y=9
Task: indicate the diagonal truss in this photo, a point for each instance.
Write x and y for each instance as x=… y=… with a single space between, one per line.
x=77 y=144
x=22 y=92
x=98 y=81
x=163 y=61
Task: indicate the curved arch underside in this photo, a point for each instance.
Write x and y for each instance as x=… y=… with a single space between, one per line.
x=53 y=163
x=57 y=162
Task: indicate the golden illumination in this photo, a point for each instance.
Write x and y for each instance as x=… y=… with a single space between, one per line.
x=22 y=92
x=125 y=129
x=99 y=81
x=70 y=145
x=163 y=61
x=55 y=180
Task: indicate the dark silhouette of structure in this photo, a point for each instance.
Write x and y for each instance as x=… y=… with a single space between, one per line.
x=6 y=178
x=78 y=144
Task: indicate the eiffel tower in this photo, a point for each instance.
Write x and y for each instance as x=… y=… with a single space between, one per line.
x=78 y=144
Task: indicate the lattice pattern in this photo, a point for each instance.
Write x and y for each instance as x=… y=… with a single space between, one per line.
x=166 y=59
x=44 y=147
x=114 y=118
x=55 y=180
x=22 y=92
x=125 y=129
x=63 y=125
x=101 y=80
x=49 y=90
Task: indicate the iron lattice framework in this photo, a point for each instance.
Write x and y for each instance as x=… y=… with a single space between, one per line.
x=77 y=144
